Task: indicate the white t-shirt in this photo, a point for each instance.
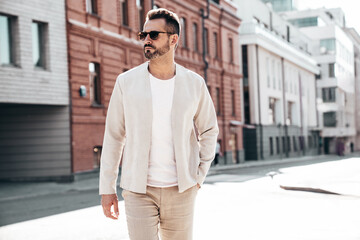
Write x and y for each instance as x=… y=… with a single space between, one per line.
x=162 y=165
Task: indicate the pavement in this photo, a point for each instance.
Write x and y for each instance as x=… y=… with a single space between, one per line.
x=90 y=180
x=226 y=208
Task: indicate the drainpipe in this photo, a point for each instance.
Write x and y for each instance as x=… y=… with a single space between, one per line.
x=203 y=17
x=259 y=104
x=72 y=176
x=152 y=4
x=222 y=74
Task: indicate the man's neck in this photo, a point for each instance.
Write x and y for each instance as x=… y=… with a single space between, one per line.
x=162 y=68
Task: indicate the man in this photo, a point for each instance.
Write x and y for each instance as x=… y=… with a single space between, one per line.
x=153 y=112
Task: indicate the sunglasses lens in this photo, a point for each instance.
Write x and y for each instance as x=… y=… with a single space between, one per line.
x=142 y=35
x=154 y=35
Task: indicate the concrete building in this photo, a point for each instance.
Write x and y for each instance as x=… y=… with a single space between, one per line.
x=279 y=91
x=282 y=5
x=334 y=52
x=34 y=92
x=102 y=42
x=355 y=37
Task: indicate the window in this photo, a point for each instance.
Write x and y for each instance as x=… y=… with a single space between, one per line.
x=231 y=49
x=246 y=105
x=289 y=113
x=277 y=145
x=95 y=85
x=306 y=22
x=283 y=144
x=329 y=94
x=288 y=143
x=310 y=141
x=332 y=70
x=329 y=119
x=273 y=73
x=183 y=32
x=141 y=9
x=206 y=41
x=279 y=75
x=245 y=65
x=233 y=105
x=271 y=146
x=124 y=12
x=327 y=46
x=195 y=34
x=6 y=42
x=294 y=143
x=271 y=110
x=91 y=6
x=38 y=43
x=268 y=71
x=301 y=141
x=286 y=79
x=288 y=33
x=97 y=154
x=216 y=45
x=218 y=101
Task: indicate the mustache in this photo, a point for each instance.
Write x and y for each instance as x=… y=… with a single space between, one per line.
x=148 y=45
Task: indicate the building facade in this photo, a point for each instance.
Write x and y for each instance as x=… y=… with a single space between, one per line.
x=279 y=86
x=282 y=5
x=334 y=52
x=355 y=37
x=34 y=91
x=102 y=42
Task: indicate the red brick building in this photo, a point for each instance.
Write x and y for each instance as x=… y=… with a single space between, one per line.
x=102 y=42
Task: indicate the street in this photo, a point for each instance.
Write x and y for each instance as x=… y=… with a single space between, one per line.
x=233 y=204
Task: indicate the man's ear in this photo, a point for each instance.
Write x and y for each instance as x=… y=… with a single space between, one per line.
x=174 y=39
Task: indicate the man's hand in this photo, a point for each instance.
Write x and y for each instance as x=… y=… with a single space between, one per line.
x=107 y=200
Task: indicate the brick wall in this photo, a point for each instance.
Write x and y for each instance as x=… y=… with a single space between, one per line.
x=103 y=39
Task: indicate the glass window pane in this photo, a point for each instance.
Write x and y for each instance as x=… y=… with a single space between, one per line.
x=5 y=44
x=35 y=43
x=195 y=32
x=327 y=46
x=206 y=45
x=329 y=119
x=183 y=32
x=38 y=47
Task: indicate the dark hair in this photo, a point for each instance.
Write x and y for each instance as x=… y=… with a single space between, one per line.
x=172 y=20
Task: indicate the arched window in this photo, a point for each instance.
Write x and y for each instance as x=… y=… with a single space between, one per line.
x=183 y=32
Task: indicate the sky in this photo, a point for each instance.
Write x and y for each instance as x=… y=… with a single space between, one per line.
x=351 y=8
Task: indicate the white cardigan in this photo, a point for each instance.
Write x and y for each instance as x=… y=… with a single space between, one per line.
x=129 y=124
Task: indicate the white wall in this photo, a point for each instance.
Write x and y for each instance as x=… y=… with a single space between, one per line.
x=25 y=83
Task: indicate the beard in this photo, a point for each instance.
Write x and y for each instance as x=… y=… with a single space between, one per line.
x=158 y=51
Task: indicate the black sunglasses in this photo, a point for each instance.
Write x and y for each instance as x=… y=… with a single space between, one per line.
x=153 y=35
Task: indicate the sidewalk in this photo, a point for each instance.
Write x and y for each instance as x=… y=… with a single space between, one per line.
x=90 y=181
x=231 y=209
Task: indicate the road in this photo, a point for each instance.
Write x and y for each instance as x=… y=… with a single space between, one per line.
x=33 y=207
x=233 y=204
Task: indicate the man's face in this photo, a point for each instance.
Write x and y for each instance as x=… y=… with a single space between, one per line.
x=160 y=46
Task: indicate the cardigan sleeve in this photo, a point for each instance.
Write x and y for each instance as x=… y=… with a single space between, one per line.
x=206 y=123
x=114 y=141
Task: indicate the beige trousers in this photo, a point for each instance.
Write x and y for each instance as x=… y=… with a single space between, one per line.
x=163 y=210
